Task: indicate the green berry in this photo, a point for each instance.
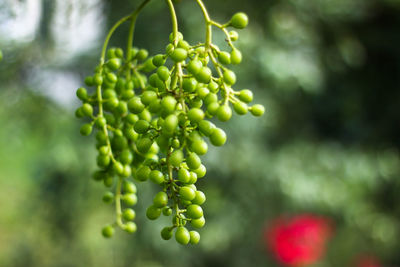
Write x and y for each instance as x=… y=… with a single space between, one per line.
x=189 y=85
x=114 y=63
x=193 y=161
x=198 y=223
x=176 y=158
x=158 y=60
x=239 y=20
x=234 y=35
x=218 y=137
x=142 y=54
x=179 y=54
x=141 y=126
x=204 y=75
x=257 y=110
x=163 y=73
x=135 y=105
x=129 y=187
x=182 y=235
x=224 y=113
x=160 y=200
x=108 y=197
x=194 y=237
x=187 y=193
x=183 y=175
x=199 y=199
x=86 y=129
x=224 y=58
x=142 y=173
x=194 y=211
x=130 y=227
x=166 y=233
x=236 y=57
x=170 y=123
x=144 y=144
x=229 y=77
x=199 y=147
x=194 y=66
x=195 y=115
x=87 y=109
x=129 y=199
x=166 y=211
x=128 y=214
x=240 y=108
x=82 y=94
x=148 y=97
x=108 y=231
x=153 y=212
x=206 y=127
x=246 y=95
x=201 y=171
x=168 y=104
x=156 y=177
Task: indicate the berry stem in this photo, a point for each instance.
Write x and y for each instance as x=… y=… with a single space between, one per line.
x=208 y=24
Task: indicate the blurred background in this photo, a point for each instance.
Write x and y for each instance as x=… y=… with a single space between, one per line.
x=323 y=159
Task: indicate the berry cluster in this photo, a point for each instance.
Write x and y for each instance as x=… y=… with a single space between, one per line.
x=152 y=116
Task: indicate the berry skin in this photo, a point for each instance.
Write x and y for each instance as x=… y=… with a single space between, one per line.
x=234 y=35
x=182 y=235
x=187 y=193
x=194 y=211
x=200 y=198
x=236 y=57
x=142 y=173
x=224 y=113
x=218 y=137
x=246 y=95
x=129 y=199
x=130 y=227
x=166 y=233
x=108 y=197
x=194 y=66
x=86 y=129
x=114 y=63
x=144 y=145
x=206 y=127
x=163 y=73
x=199 y=147
x=129 y=187
x=239 y=20
x=108 y=231
x=156 y=176
x=229 y=77
x=82 y=94
x=257 y=110
x=135 y=105
x=153 y=212
x=141 y=126
x=240 y=108
x=168 y=103
x=160 y=200
x=170 y=123
x=183 y=175
x=1 y=55
x=176 y=158
x=194 y=237
x=179 y=55
x=158 y=60
x=204 y=75
x=224 y=58
x=128 y=214
x=193 y=161
x=201 y=171
x=195 y=115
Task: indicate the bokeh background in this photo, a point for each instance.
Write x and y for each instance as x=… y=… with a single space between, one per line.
x=328 y=73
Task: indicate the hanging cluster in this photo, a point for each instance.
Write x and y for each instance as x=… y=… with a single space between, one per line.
x=153 y=119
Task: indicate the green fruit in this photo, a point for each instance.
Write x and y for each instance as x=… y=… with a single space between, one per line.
x=246 y=95
x=206 y=127
x=194 y=237
x=234 y=35
x=224 y=113
x=142 y=54
x=257 y=110
x=236 y=57
x=108 y=231
x=142 y=173
x=170 y=123
x=158 y=60
x=128 y=214
x=204 y=75
x=229 y=77
x=199 y=147
x=198 y=223
x=179 y=54
x=194 y=211
x=108 y=197
x=141 y=126
x=148 y=97
x=193 y=161
x=239 y=20
x=129 y=199
x=144 y=144
x=156 y=177
x=195 y=115
x=182 y=235
x=201 y=171
x=200 y=198
x=130 y=227
x=176 y=158
x=187 y=193
x=166 y=233
x=153 y=212
x=86 y=129
x=129 y=187
x=160 y=200
x=135 y=105
x=224 y=58
x=168 y=104
x=163 y=73
x=189 y=84
x=218 y=137
x=194 y=66
x=240 y=108
x=114 y=63
x=82 y=94
x=183 y=175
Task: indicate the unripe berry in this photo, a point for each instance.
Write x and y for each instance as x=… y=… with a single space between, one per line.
x=195 y=115
x=194 y=237
x=81 y=93
x=224 y=113
x=246 y=95
x=153 y=212
x=224 y=58
x=108 y=231
x=128 y=214
x=229 y=77
x=218 y=137
x=240 y=108
x=182 y=235
x=179 y=54
x=236 y=57
x=130 y=227
x=239 y=20
x=166 y=233
x=257 y=110
x=194 y=211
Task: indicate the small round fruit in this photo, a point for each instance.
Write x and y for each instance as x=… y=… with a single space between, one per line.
x=218 y=137
x=183 y=175
x=194 y=211
x=86 y=129
x=199 y=147
x=257 y=110
x=194 y=237
x=108 y=197
x=240 y=108
x=130 y=227
x=81 y=93
x=160 y=200
x=246 y=95
x=128 y=214
x=224 y=57
x=194 y=66
x=153 y=212
x=179 y=55
x=200 y=198
x=129 y=199
x=163 y=73
x=224 y=113
x=229 y=77
x=142 y=173
x=108 y=231
x=166 y=233
x=239 y=20
x=182 y=235
x=236 y=57
x=156 y=177
x=198 y=223
x=204 y=75
x=187 y=193
x=195 y=115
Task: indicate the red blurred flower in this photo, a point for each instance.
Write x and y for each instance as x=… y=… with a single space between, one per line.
x=299 y=240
